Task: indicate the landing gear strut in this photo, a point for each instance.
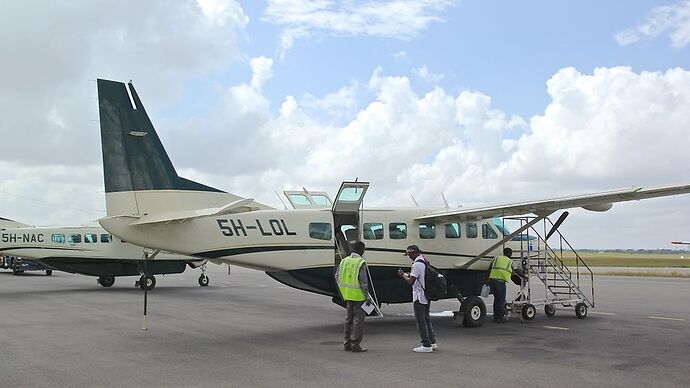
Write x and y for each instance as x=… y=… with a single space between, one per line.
x=203 y=278
x=106 y=281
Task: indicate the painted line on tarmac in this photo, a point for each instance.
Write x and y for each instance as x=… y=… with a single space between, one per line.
x=666 y=318
x=446 y=313
x=556 y=328
x=601 y=313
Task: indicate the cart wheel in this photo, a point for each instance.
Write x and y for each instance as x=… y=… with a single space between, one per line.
x=528 y=312
x=549 y=310
x=581 y=310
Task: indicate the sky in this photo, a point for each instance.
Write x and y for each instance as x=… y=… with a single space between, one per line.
x=487 y=102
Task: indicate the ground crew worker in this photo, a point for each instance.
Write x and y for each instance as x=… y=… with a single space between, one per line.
x=500 y=271
x=354 y=288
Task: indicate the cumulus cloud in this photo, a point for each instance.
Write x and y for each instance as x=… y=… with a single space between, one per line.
x=612 y=128
x=673 y=19
x=50 y=63
x=399 y=19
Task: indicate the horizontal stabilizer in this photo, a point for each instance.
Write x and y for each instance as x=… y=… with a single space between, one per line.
x=239 y=206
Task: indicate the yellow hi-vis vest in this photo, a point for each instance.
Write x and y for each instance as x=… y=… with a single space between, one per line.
x=501 y=268
x=348 y=282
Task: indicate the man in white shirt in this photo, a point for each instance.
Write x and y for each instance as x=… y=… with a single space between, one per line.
x=416 y=278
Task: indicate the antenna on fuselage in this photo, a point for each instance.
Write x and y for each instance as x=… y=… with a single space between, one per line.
x=445 y=201
x=280 y=199
x=414 y=200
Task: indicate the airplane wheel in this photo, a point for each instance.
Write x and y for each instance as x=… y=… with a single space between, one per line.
x=528 y=312
x=16 y=272
x=106 y=281
x=204 y=280
x=147 y=282
x=581 y=310
x=549 y=310
x=49 y=272
x=474 y=311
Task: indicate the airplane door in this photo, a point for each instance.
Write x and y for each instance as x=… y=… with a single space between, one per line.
x=346 y=219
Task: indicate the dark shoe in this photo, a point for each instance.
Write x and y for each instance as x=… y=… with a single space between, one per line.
x=358 y=349
x=347 y=347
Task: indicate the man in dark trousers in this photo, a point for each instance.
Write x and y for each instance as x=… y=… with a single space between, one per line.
x=354 y=288
x=500 y=271
x=416 y=278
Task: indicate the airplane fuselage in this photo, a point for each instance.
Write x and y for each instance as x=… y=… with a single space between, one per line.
x=88 y=250
x=297 y=247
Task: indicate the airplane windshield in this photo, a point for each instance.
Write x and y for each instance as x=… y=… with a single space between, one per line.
x=321 y=200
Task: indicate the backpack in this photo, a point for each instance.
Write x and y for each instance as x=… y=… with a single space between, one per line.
x=436 y=287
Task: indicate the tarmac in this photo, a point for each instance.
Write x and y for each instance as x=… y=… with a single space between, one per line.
x=247 y=330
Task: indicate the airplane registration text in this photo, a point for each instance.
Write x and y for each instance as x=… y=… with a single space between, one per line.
x=22 y=238
x=272 y=227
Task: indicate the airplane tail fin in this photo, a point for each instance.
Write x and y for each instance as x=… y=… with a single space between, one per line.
x=139 y=176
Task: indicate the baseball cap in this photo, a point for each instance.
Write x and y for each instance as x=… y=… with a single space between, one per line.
x=411 y=249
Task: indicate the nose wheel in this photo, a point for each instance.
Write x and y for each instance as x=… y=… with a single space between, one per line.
x=204 y=280
x=146 y=282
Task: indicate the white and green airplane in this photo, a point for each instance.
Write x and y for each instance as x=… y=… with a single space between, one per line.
x=92 y=251
x=150 y=205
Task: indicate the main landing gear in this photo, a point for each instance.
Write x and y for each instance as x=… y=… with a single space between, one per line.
x=106 y=281
x=472 y=311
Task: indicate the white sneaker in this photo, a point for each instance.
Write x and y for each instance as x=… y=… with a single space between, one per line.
x=434 y=346
x=423 y=349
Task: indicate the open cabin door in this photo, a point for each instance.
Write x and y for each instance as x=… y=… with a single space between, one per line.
x=346 y=218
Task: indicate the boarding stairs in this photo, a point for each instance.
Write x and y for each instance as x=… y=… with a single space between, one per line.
x=543 y=256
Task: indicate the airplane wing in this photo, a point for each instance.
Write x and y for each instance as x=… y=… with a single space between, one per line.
x=239 y=206
x=602 y=201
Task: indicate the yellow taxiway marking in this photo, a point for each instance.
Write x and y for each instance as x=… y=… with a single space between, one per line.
x=667 y=318
x=601 y=313
x=556 y=328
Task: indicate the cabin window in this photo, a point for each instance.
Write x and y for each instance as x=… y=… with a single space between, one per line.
x=427 y=231
x=373 y=231
x=452 y=230
x=74 y=238
x=351 y=194
x=58 y=238
x=90 y=238
x=397 y=230
x=488 y=233
x=321 y=200
x=300 y=199
x=471 y=230
x=106 y=238
x=320 y=230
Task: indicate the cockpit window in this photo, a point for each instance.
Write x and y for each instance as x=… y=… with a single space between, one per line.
x=321 y=200
x=300 y=199
x=488 y=233
x=74 y=239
